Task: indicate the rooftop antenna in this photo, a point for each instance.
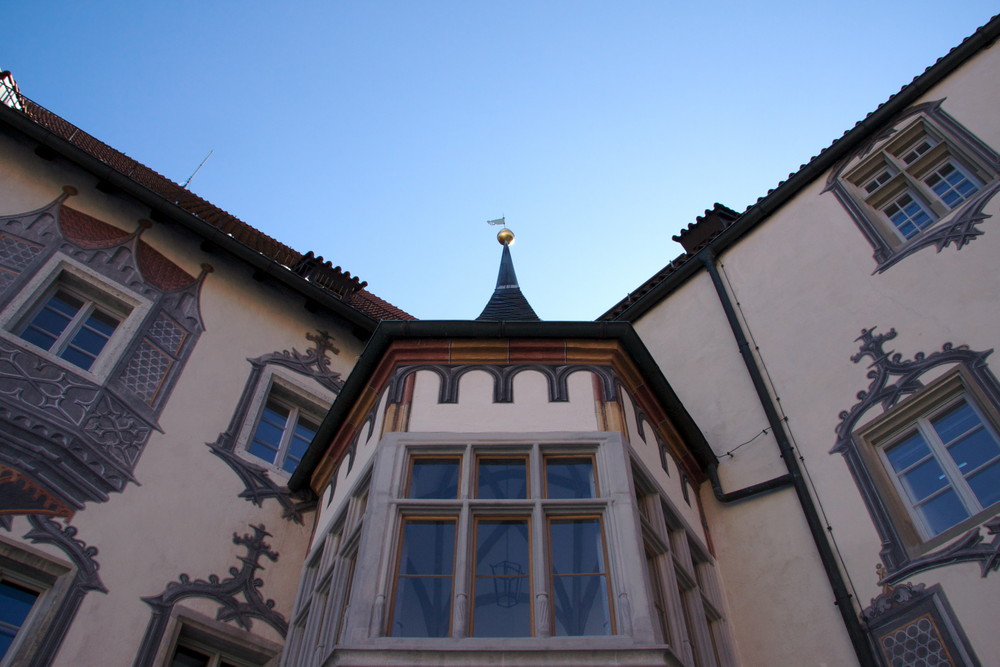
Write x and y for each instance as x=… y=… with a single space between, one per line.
x=198 y=169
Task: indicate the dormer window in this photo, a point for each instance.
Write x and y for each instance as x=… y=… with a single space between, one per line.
x=921 y=184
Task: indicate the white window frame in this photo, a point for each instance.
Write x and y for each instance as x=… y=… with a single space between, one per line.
x=62 y=272
x=314 y=400
x=896 y=425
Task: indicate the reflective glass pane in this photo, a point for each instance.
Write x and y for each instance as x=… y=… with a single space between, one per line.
x=434 y=478
x=89 y=341
x=502 y=478
x=570 y=477
x=428 y=547
x=51 y=321
x=974 y=450
x=943 y=512
x=924 y=480
x=15 y=603
x=986 y=485
x=955 y=422
x=39 y=338
x=422 y=607
x=502 y=547
x=580 y=605
x=77 y=358
x=102 y=322
x=263 y=450
x=576 y=546
x=907 y=452
x=502 y=607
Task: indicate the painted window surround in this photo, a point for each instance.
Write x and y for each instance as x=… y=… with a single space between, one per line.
x=379 y=545
x=900 y=390
x=956 y=226
x=62 y=270
x=313 y=401
x=874 y=436
x=188 y=627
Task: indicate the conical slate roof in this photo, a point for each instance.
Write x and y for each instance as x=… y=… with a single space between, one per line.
x=507 y=302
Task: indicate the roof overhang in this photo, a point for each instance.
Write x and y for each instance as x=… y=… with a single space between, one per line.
x=165 y=209
x=370 y=376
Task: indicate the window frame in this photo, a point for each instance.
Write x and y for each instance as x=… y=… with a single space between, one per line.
x=291 y=391
x=467 y=510
x=955 y=225
x=194 y=630
x=63 y=273
x=908 y=178
x=893 y=426
x=36 y=571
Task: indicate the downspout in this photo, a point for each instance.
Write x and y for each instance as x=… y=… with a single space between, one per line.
x=842 y=597
x=779 y=482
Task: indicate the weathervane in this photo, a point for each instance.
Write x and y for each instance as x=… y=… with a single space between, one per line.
x=504 y=236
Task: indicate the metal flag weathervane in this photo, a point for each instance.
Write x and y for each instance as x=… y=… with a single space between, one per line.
x=499 y=221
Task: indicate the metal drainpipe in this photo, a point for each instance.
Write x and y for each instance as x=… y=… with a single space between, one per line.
x=779 y=482
x=842 y=597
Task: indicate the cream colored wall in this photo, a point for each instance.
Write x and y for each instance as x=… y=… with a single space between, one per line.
x=806 y=285
x=181 y=516
x=646 y=450
x=475 y=411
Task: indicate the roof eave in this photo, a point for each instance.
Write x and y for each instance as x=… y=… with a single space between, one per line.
x=391 y=331
x=815 y=168
x=176 y=213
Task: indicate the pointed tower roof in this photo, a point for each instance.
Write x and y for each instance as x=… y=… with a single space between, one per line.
x=507 y=302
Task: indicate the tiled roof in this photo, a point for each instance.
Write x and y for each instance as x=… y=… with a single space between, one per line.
x=706 y=225
x=324 y=274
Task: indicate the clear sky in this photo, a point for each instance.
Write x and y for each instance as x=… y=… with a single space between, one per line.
x=382 y=135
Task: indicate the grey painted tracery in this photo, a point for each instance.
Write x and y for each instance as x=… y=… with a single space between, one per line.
x=238 y=595
x=892 y=379
x=47 y=531
x=259 y=486
x=77 y=438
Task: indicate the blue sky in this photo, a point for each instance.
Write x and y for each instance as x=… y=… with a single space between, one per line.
x=382 y=135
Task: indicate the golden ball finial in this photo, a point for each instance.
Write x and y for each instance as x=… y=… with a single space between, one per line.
x=505 y=236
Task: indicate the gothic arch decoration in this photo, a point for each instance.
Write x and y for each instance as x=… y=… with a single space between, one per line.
x=962 y=227
x=47 y=531
x=65 y=434
x=238 y=595
x=257 y=481
x=892 y=379
x=557 y=377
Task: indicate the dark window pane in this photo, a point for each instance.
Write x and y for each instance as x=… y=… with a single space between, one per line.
x=102 y=323
x=89 y=341
x=570 y=477
x=50 y=321
x=924 y=480
x=422 y=607
x=434 y=478
x=15 y=603
x=580 y=605
x=943 y=512
x=428 y=547
x=908 y=452
x=502 y=607
x=502 y=547
x=954 y=423
x=576 y=546
x=502 y=478
x=975 y=449
x=77 y=358
x=188 y=657
x=39 y=338
x=986 y=485
x=502 y=596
